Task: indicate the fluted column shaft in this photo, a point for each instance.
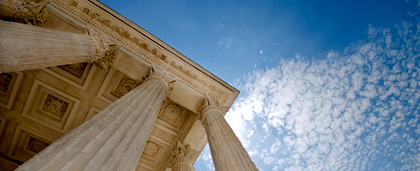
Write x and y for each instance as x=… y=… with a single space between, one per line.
x=112 y=140
x=24 y=47
x=226 y=149
x=182 y=167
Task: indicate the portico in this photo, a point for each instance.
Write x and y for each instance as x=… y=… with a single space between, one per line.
x=87 y=89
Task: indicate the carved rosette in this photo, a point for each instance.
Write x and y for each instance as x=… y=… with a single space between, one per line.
x=166 y=78
x=24 y=11
x=5 y=80
x=36 y=145
x=172 y=112
x=55 y=105
x=208 y=105
x=183 y=154
x=151 y=149
x=126 y=86
x=78 y=66
x=105 y=50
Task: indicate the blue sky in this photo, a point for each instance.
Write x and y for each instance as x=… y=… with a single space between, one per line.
x=325 y=85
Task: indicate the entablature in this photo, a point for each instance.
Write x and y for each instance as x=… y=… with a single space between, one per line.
x=146 y=47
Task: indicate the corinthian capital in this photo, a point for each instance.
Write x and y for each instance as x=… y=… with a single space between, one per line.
x=208 y=105
x=105 y=50
x=23 y=11
x=183 y=154
x=165 y=77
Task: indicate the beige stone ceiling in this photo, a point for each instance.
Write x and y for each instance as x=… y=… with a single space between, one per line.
x=39 y=106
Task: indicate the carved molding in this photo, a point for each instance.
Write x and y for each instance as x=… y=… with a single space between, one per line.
x=25 y=11
x=137 y=45
x=75 y=69
x=78 y=75
x=109 y=89
x=183 y=154
x=26 y=143
x=50 y=107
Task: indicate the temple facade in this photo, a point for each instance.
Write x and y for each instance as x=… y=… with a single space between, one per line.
x=83 y=88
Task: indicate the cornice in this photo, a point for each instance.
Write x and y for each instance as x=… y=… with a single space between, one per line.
x=150 y=49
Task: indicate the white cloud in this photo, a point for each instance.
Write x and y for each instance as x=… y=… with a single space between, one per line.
x=207 y=158
x=332 y=54
x=353 y=111
x=269 y=160
x=275 y=147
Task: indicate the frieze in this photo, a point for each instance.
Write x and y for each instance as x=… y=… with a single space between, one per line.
x=136 y=45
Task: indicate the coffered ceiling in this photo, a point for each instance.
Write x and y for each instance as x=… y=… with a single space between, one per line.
x=39 y=106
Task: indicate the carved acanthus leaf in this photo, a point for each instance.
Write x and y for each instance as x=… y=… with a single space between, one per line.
x=25 y=11
x=105 y=50
x=209 y=104
x=183 y=154
x=164 y=77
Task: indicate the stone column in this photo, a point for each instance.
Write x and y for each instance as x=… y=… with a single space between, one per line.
x=24 y=47
x=183 y=157
x=112 y=140
x=226 y=149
